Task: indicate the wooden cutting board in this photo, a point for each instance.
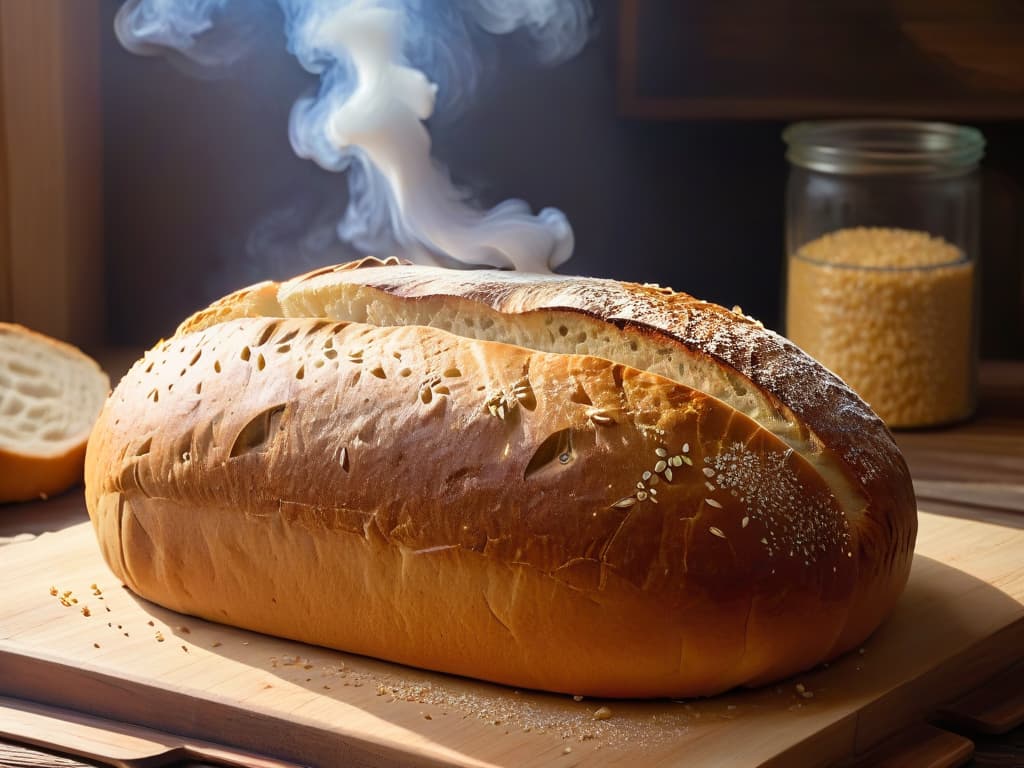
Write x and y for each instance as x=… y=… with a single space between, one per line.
x=960 y=622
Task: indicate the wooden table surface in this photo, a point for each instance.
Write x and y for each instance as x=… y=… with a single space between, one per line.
x=975 y=465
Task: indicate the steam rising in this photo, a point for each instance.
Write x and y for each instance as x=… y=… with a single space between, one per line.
x=380 y=63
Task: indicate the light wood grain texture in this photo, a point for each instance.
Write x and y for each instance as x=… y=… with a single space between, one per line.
x=17 y=756
x=51 y=267
x=960 y=621
x=116 y=744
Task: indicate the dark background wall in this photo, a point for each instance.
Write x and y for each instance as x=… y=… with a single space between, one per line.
x=204 y=194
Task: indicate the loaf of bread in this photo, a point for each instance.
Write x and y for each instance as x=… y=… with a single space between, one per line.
x=569 y=484
x=50 y=394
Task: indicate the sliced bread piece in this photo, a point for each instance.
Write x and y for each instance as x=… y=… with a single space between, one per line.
x=50 y=395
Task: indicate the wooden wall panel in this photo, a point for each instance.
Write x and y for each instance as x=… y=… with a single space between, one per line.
x=52 y=173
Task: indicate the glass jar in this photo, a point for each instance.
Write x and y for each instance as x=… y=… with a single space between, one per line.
x=881 y=269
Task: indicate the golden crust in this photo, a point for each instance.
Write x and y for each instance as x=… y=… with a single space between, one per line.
x=558 y=521
x=840 y=426
x=401 y=461
x=25 y=478
x=259 y=300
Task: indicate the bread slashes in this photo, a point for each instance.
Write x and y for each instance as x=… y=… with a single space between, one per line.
x=569 y=484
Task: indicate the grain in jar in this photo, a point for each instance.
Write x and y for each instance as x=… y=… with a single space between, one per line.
x=889 y=311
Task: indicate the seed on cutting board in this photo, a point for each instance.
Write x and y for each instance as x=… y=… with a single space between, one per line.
x=53 y=591
x=85 y=611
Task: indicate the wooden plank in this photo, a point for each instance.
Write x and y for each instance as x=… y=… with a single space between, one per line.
x=923 y=746
x=17 y=756
x=997 y=707
x=1005 y=496
x=110 y=743
x=49 y=59
x=960 y=621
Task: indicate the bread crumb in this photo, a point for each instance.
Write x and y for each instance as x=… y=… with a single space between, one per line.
x=217 y=644
x=426 y=716
x=602 y=713
x=150 y=622
x=567 y=750
x=185 y=630
x=577 y=698
x=53 y=591
x=85 y=611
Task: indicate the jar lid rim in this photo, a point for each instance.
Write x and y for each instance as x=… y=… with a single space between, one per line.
x=883 y=146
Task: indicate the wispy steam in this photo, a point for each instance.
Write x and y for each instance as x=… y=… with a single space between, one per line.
x=380 y=64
